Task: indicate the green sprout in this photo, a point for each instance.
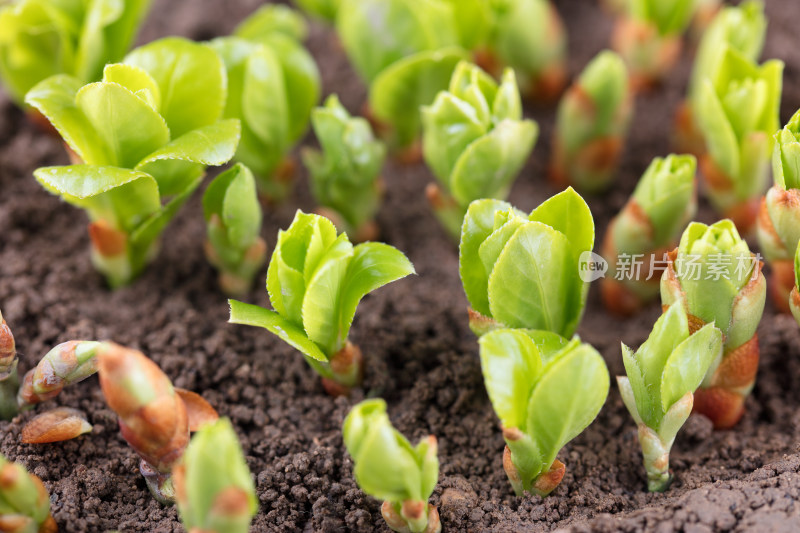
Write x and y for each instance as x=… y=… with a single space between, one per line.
x=406 y=51
x=273 y=84
x=213 y=486
x=522 y=271
x=794 y=296
x=134 y=168
x=315 y=283
x=475 y=141
x=718 y=280
x=649 y=225
x=345 y=174
x=778 y=225
x=42 y=38
x=546 y=390
x=24 y=501
x=741 y=28
x=387 y=467
x=592 y=125
x=738 y=115
x=233 y=221
x=659 y=388
x=324 y=10
x=648 y=37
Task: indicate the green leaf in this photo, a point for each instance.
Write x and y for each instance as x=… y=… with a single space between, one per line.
x=568 y=213
x=136 y=81
x=232 y=196
x=688 y=364
x=270 y=20
x=253 y=315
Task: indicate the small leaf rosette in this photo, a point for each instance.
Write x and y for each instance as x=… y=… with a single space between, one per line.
x=648 y=37
x=659 y=388
x=649 y=225
x=387 y=467
x=738 y=115
x=213 y=486
x=42 y=38
x=741 y=28
x=233 y=222
x=315 y=281
x=546 y=390
x=136 y=167
x=717 y=280
x=592 y=125
x=24 y=501
x=345 y=173
x=778 y=225
x=273 y=84
x=475 y=141
x=523 y=271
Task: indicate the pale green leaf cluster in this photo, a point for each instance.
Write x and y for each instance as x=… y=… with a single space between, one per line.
x=786 y=156
x=141 y=162
x=386 y=466
x=738 y=114
x=42 y=38
x=214 y=467
x=322 y=9
x=344 y=174
x=523 y=271
x=24 y=498
x=315 y=281
x=273 y=84
x=669 y=17
x=474 y=137
x=549 y=388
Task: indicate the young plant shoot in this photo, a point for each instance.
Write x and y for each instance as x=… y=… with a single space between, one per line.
x=742 y=28
x=794 y=297
x=406 y=51
x=528 y=36
x=546 y=390
x=9 y=377
x=42 y=38
x=522 y=271
x=345 y=174
x=592 y=125
x=779 y=214
x=315 y=281
x=738 y=115
x=324 y=10
x=24 y=502
x=649 y=35
x=475 y=141
x=233 y=221
x=387 y=467
x=649 y=225
x=659 y=388
x=154 y=417
x=717 y=280
x=134 y=168
x=273 y=84
x=213 y=486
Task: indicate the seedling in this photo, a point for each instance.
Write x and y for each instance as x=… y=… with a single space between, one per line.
x=739 y=27
x=659 y=388
x=42 y=38
x=213 y=486
x=315 y=282
x=24 y=502
x=273 y=84
x=649 y=225
x=387 y=467
x=738 y=114
x=648 y=37
x=154 y=417
x=475 y=141
x=779 y=214
x=546 y=390
x=523 y=271
x=345 y=175
x=233 y=222
x=134 y=168
x=324 y=10
x=794 y=297
x=717 y=280
x=592 y=125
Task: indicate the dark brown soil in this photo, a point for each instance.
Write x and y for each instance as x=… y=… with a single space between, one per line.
x=420 y=355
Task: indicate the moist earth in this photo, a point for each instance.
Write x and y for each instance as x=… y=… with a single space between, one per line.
x=420 y=355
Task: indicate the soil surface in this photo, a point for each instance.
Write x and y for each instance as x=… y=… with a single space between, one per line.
x=420 y=354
